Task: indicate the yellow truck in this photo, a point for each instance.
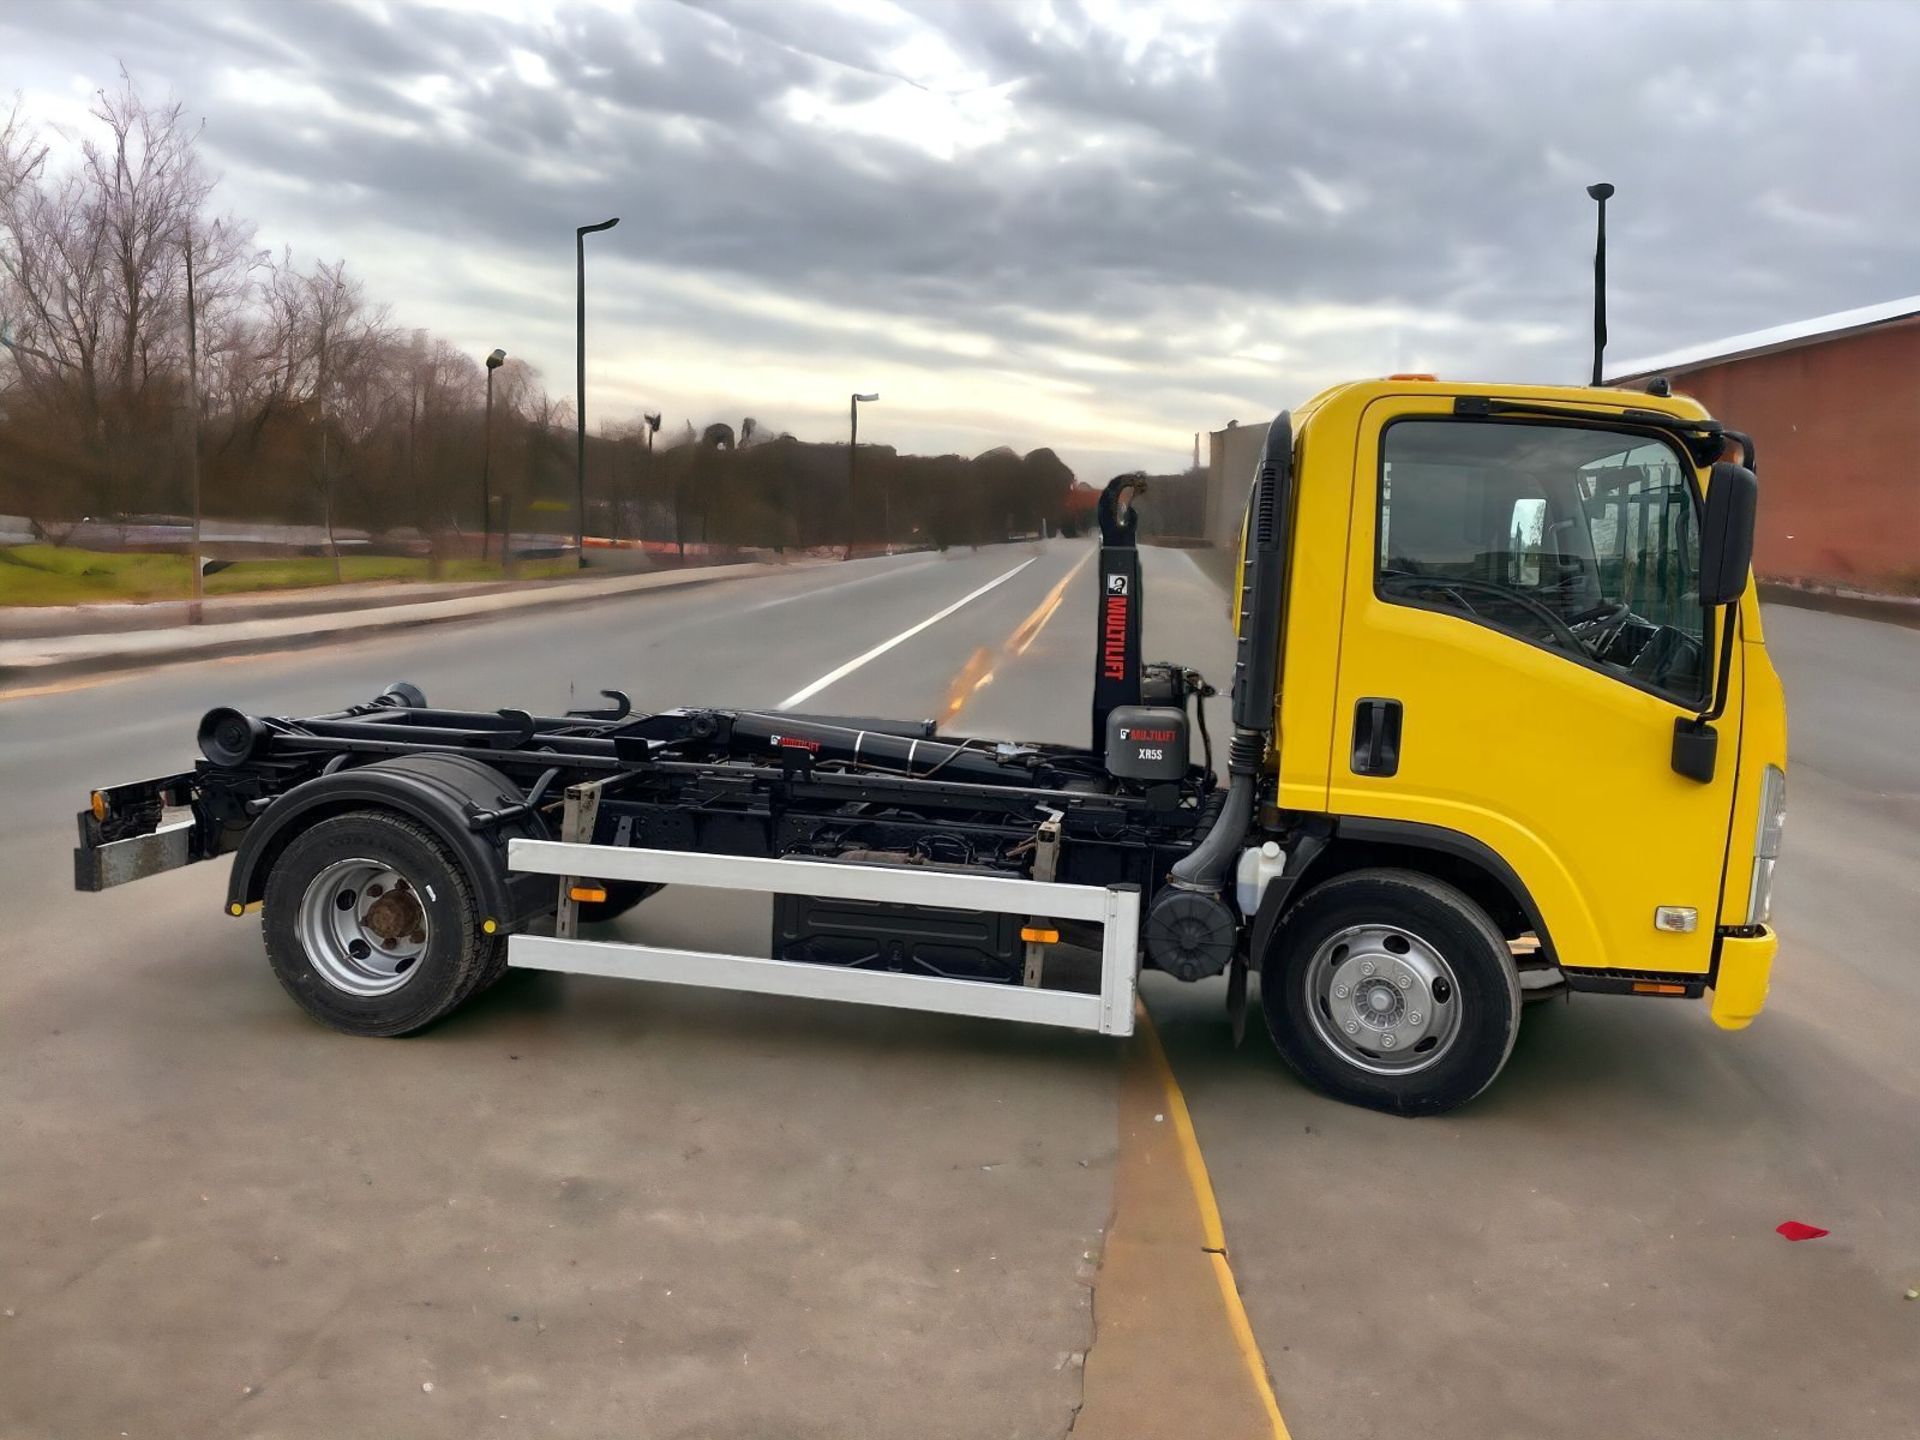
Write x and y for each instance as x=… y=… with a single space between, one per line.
x=1503 y=727
x=1522 y=660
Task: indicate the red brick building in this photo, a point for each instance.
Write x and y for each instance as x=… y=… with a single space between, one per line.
x=1833 y=405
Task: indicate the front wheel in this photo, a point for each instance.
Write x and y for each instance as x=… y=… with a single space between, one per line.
x=1392 y=990
x=371 y=925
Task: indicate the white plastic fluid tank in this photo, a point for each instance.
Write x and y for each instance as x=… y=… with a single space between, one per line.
x=1258 y=865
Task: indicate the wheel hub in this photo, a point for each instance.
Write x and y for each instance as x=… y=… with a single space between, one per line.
x=394 y=915
x=363 y=927
x=1383 y=999
x=1378 y=1005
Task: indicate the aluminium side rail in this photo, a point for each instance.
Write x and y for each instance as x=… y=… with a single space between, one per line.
x=1115 y=908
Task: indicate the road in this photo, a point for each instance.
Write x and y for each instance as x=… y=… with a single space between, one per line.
x=1589 y=1249
x=604 y=1209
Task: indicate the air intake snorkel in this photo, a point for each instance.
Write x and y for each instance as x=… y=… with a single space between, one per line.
x=1256 y=663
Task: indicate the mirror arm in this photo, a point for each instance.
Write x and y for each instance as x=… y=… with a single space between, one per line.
x=1696 y=744
x=1745 y=442
x=1724 y=675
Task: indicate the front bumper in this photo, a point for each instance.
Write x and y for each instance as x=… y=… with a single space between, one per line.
x=1740 y=987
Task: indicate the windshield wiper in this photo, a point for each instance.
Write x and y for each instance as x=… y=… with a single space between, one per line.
x=1704 y=440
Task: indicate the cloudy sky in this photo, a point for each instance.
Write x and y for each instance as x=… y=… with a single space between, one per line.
x=1094 y=224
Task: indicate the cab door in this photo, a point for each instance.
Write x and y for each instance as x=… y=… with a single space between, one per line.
x=1520 y=634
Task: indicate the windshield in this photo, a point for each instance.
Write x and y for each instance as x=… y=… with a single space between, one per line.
x=1574 y=538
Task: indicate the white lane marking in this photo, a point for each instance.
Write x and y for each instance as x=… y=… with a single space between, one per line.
x=801 y=696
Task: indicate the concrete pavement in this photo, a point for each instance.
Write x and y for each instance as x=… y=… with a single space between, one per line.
x=629 y=1210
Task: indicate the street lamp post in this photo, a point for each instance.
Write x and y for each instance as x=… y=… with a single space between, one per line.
x=1600 y=194
x=853 y=447
x=650 y=426
x=494 y=362
x=196 y=592
x=580 y=383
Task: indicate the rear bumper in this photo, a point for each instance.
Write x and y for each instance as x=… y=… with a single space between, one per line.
x=1740 y=986
x=100 y=865
x=126 y=833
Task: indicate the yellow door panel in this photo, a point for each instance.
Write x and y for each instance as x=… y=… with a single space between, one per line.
x=1546 y=747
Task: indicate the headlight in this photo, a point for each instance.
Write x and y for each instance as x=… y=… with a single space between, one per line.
x=1766 y=844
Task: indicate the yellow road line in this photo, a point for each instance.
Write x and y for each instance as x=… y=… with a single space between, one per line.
x=1041 y=624
x=64 y=688
x=1030 y=628
x=980 y=666
x=1211 y=1228
x=1213 y=1233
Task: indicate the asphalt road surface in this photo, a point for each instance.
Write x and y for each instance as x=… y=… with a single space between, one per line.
x=592 y=1208
x=1589 y=1249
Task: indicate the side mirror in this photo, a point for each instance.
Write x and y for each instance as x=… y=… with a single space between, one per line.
x=1726 y=534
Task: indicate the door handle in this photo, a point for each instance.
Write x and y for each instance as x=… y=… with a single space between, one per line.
x=1376 y=737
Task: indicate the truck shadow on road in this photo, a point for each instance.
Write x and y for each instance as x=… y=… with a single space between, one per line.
x=1599 y=1053
x=593 y=1013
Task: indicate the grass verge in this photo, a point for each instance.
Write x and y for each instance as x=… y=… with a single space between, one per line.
x=58 y=575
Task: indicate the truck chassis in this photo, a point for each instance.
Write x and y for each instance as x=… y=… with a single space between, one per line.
x=552 y=813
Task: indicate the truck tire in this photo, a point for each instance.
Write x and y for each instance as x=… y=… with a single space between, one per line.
x=371 y=926
x=1392 y=990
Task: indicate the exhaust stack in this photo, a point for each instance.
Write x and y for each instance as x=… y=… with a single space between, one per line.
x=1600 y=193
x=1191 y=931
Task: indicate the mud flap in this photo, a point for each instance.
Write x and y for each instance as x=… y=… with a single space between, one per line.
x=1237 y=999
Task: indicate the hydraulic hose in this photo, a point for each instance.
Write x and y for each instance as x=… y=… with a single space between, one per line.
x=1205 y=866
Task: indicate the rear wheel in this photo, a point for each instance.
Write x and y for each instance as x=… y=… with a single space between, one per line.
x=371 y=926
x=1393 y=990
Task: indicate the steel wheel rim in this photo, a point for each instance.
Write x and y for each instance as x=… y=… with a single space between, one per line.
x=363 y=927
x=1383 y=999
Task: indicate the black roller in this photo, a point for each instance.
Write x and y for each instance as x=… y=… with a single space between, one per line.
x=1190 y=934
x=405 y=694
x=230 y=738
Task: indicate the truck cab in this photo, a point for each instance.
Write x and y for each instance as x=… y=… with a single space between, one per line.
x=1500 y=672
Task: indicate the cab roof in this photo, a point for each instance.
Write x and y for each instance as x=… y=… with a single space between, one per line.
x=1361 y=393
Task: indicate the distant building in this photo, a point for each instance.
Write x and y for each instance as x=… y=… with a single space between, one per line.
x=1833 y=405
x=1231 y=455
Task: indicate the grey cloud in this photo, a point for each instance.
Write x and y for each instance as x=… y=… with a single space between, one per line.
x=1411 y=158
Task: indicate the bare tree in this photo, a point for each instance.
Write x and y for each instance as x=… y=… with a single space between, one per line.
x=330 y=350
x=449 y=433
x=300 y=398
x=92 y=286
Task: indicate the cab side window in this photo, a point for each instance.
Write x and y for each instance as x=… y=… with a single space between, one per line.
x=1578 y=539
